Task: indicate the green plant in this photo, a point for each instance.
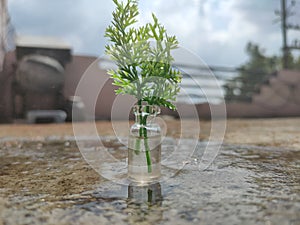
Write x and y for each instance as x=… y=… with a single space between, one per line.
x=256 y=71
x=143 y=56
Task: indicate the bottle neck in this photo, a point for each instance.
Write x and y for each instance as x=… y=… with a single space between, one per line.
x=145 y=114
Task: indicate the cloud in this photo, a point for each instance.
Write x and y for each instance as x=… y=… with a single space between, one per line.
x=78 y=21
x=217 y=31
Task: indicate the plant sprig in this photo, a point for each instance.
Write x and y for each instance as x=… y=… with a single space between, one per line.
x=143 y=56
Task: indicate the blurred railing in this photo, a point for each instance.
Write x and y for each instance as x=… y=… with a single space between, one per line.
x=248 y=92
x=209 y=83
x=204 y=83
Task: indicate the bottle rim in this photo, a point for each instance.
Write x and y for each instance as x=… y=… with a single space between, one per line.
x=146 y=109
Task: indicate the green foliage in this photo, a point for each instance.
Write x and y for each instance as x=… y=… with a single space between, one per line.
x=256 y=71
x=293 y=62
x=251 y=75
x=143 y=56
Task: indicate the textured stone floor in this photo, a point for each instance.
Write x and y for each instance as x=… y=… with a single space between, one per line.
x=279 y=132
x=254 y=179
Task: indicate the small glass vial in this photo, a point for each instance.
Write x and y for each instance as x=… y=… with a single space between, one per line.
x=144 y=146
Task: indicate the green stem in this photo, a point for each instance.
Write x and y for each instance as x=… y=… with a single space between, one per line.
x=138 y=141
x=148 y=155
x=143 y=133
x=137 y=146
x=141 y=118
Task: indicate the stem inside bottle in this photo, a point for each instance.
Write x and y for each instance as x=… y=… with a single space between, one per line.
x=144 y=145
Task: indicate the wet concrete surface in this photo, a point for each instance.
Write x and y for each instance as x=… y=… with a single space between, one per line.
x=48 y=182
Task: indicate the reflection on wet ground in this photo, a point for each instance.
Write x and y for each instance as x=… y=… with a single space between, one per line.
x=48 y=182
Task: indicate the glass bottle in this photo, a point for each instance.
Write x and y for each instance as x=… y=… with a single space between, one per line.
x=144 y=146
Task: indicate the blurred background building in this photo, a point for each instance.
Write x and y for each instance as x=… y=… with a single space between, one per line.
x=39 y=77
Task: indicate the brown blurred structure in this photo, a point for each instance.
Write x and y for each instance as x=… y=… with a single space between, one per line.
x=6 y=66
x=6 y=89
x=3 y=30
x=42 y=74
x=279 y=97
x=281 y=100
x=95 y=78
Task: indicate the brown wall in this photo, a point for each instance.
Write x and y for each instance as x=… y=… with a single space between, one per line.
x=97 y=93
x=6 y=79
x=86 y=72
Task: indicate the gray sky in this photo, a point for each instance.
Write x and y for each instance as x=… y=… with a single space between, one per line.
x=216 y=30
